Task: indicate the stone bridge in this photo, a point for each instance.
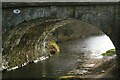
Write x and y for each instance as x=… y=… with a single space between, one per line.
x=105 y=16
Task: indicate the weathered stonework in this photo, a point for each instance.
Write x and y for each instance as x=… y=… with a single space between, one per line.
x=104 y=16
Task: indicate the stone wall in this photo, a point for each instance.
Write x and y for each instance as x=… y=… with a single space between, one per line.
x=98 y=15
x=105 y=17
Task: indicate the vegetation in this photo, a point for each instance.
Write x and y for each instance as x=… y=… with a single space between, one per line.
x=109 y=52
x=69 y=77
x=53 y=48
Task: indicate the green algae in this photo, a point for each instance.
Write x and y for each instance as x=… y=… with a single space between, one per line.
x=53 y=46
x=69 y=77
x=109 y=52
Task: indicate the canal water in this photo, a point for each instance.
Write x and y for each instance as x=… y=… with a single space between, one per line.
x=73 y=53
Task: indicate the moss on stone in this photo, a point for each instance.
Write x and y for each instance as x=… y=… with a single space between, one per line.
x=52 y=46
x=109 y=52
x=69 y=77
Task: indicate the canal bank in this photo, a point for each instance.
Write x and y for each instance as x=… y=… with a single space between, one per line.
x=94 y=68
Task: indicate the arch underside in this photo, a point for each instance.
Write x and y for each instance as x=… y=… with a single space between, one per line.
x=106 y=18
x=26 y=42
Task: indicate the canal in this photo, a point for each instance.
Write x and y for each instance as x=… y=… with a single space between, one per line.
x=73 y=53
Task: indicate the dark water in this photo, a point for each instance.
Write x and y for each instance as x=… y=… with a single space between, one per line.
x=72 y=54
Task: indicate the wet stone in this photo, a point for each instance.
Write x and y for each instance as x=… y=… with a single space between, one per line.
x=86 y=68
x=103 y=71
x=78 y=71
x=88 y=65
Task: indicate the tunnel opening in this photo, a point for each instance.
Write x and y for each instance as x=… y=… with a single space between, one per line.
x=102 y=51
x=54 y=37
x=25 y=43
x=79 y=30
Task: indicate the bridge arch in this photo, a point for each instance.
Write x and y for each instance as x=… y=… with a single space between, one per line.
x=99 y=15
x=104 y=17
x=27 y=40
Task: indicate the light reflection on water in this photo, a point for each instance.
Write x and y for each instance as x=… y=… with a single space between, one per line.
x=101 y=45
x=94 y=45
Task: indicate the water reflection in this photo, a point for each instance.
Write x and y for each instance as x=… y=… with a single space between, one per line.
x=72 y=54
x=99 y=44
